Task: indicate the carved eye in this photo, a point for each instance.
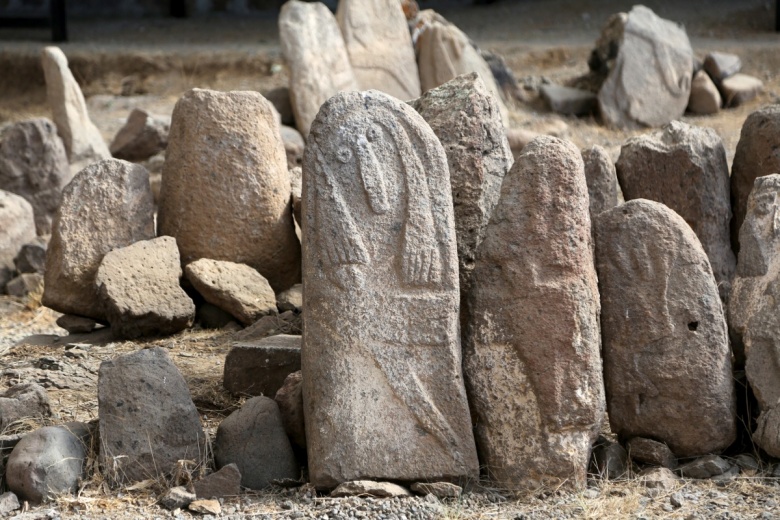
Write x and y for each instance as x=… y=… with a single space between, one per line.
x=372 y=134
x=344 y=155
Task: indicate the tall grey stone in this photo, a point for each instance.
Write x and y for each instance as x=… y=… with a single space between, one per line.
x=531 y=355
x=33 y=164
x=106 y=206
x=82 y=139
x=601 y=176
x=225 y=191
x=380 y=47
x=314 y=49
x=383 y=391
x=667 y=365
x=758 y=154
x=685 y=167
x=466 y=119
x=647 y=63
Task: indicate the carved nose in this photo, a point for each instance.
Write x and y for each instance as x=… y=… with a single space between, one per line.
x=371 y=174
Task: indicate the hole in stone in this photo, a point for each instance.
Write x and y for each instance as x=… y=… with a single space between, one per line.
x=693 y=325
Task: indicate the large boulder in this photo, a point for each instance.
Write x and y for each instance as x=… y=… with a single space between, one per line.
x=667 y=364
x=143 y=136
x=33 y=164
x=382 y=381
x=17 y=227
x=685 y=167
x=107 y=205
x=148 y=421
x=380 y=47
x=531 y=351
x=646 y=64
x=466 y=119
x=82 y=139
x=757 y=154
x=139 y=288
x=601 y=176
x=314 y=49
x=225 y=189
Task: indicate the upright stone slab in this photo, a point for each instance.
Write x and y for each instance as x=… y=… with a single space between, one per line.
x=531 y=355
x=33 y=164
x=758 y=154
x=107 y=205
x=444 y=52
x=380 y=47
x=754 y=313
x=466 y=119
x=667 y=365
x=81 y=137
x=383 y=390
x=225 y=191
x=601 y=176
x=685 y=168
x=315 y=52
x=647 y=63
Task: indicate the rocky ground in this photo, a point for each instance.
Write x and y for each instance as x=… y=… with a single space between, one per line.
x=149 y=63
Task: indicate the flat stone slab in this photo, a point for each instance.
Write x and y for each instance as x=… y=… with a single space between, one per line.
x=260 y=367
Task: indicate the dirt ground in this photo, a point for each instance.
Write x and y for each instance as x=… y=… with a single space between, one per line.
x=155 y=60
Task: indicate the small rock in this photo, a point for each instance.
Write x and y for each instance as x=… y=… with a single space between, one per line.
x=206 y=507
x=727 y=476
x=658 y=480
x=747 y=462
x=705 y=98
x=259 y=368
x=721 y=65
x=24 y=284
x=739 y=89
x=437 y=489
x=23 y=400
x=291 y=299
x=676 y=499
x=287 y=322
x=568 y=100
x=290 y=400
x=212 y=317
x=223 y=483
x=32 y=257
x=8 y=502
x=370 y=488
x=648 y=451
x=177 y=498
x=235 y=288
x=142 y=136
x=704 y=467
x=76 y=324
x=293 y=146
x=610 y=459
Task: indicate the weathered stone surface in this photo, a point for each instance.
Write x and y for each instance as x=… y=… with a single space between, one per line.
x=80 y=136
x=369 y=488
x=17 y=227
x=721 y=65
x=739 y=89
x=148 y=421
x=705 y=98
x=226 y=482
x=705 y=467
x=48 y=462
x=658 y=480
x=685 y=167
x=260 y=367
x=33 y=164
x=76 y=324
x=23 y=400
x=8 y=502
x=444 y=52
x=24 y=284
x=757 y=155
x=466 y=119
x=569 y=101
x=293 y=146
x=314 y=49
x=206 y=507
x=767 y=434
x=648 y=451
x=290 y=400
x=143 y=136
x=667 y=363
x=177 y=498
x=106 y=206
x=610 y=459
x=253 y=439
x=291 y=299
x=648 y=63
x=235 y=288
x=32 y=257
x=601 y=177
x=139 y=288
x=225 y=157
x=380 y=47
x=382 y=299
x=437 y=489
x=288 y=322
x=533 y=368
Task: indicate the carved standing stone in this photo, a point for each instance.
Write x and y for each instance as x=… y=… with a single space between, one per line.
x=380 y=47
x=532 y=359
x=667 y=365
x=685 y=168
x=315 y=52
x=383 y=389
